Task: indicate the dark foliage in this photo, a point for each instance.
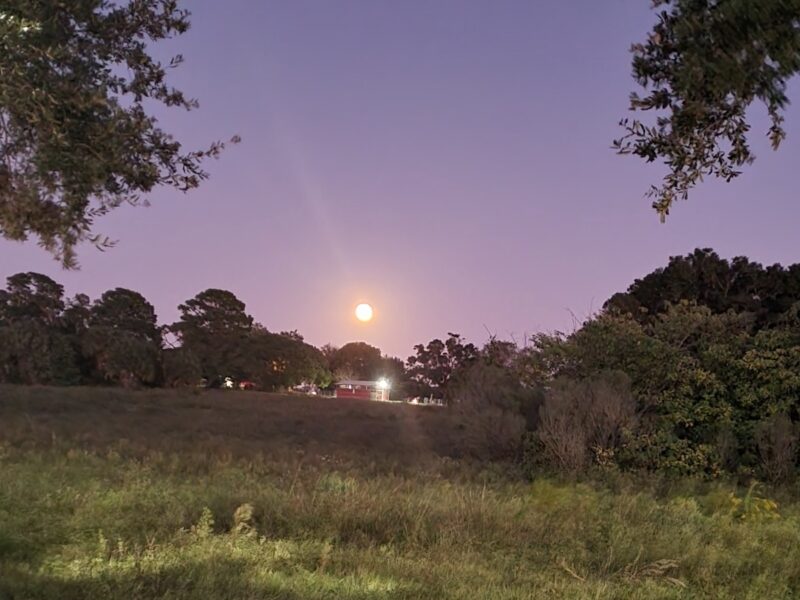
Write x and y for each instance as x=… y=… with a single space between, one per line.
x=712 y=351
x=702 y=277
x=703 y=64
x=432 y=365
x=77 y=138
x=47 y=339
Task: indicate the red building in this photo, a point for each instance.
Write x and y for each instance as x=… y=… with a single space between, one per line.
x=364 y=390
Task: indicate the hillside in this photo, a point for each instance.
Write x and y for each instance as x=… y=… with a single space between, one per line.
x=241 y=424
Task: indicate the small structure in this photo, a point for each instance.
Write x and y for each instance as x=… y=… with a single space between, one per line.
x=426 y=401
x=309 y=389
x=364 y=390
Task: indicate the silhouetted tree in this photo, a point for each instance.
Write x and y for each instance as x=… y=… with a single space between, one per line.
x=77 y=137
x=356 y=360
x=283 y=360
x=433 y=364
x=708 y=280
x=33 y=345
x=32 y=296
x=704 y=63
x=126 y=310
x=123 y=339
x=215 y=328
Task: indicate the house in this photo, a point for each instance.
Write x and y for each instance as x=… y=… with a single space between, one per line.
x=364 y=390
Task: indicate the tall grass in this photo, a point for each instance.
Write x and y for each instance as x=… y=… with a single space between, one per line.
x=85 y=525
x=82 y=521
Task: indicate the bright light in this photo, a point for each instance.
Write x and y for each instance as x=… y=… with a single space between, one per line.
x=383 y=384
x=364 y=312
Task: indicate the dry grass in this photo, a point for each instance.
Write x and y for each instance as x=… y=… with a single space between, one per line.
x=239 y=424
x=109 y=494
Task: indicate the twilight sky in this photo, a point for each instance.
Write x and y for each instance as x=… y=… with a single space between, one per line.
x=446 y=161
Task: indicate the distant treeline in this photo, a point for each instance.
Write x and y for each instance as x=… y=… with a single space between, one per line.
x=695 y=369
x=46 y=338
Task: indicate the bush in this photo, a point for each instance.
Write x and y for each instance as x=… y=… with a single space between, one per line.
x=584 y=421
x=776 y=441
x=490 y=402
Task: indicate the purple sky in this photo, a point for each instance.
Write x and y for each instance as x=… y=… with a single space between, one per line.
x=446 y=161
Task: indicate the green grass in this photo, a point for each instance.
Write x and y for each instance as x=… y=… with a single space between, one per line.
x=159 y=516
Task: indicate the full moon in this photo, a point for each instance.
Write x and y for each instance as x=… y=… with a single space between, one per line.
x=364 y=312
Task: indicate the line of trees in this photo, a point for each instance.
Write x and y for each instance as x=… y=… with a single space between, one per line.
x=46 y=338
x=695 y=369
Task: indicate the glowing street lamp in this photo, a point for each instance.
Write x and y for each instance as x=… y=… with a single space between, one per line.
x=382 y=386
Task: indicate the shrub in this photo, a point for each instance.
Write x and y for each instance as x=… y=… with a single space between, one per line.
x=490 y=402
x=776 y=441
x=583 y=421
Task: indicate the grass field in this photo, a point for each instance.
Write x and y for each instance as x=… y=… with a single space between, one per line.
x=113 y=494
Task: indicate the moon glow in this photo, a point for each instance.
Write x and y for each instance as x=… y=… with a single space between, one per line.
x=364 y=312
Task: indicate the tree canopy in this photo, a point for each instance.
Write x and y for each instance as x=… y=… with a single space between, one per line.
x=283 y=360
x=356 y=360
x=215 y=327
x=702 y=66
x=433 y=364
x=122 y=339
x=46 y=338
x=77 y=138
x=702 y=277
x=31 y=295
